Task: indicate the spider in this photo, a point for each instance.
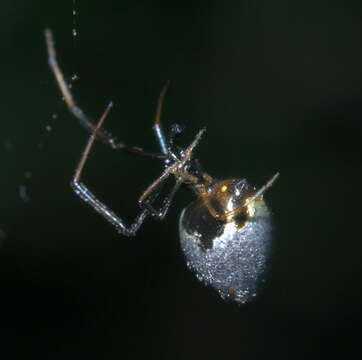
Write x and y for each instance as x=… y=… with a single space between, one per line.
x=226 y=233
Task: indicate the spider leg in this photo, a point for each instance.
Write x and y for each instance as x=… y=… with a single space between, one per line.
x=157 y=126
x=177 y=169
x=86 y=195
x=164 y=143
x=160 y=214
x=101 y=134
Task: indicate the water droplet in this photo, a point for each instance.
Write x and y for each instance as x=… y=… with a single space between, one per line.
x=27 y=175
x=74 y=32
x=54 y=116
x=74 y=77
x=48 y=128
x=23 y=193
x=74 y=12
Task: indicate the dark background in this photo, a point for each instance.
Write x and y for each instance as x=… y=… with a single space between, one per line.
x=278 y=86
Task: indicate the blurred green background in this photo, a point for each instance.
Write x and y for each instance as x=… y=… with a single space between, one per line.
x=278 y=86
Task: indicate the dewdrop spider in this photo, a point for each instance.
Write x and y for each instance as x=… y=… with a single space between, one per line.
x=225 y=233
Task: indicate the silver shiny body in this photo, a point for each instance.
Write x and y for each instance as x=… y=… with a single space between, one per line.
x=236 y=264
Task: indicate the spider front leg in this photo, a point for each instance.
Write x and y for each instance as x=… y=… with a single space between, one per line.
x=86 y=195
x=73 y=107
